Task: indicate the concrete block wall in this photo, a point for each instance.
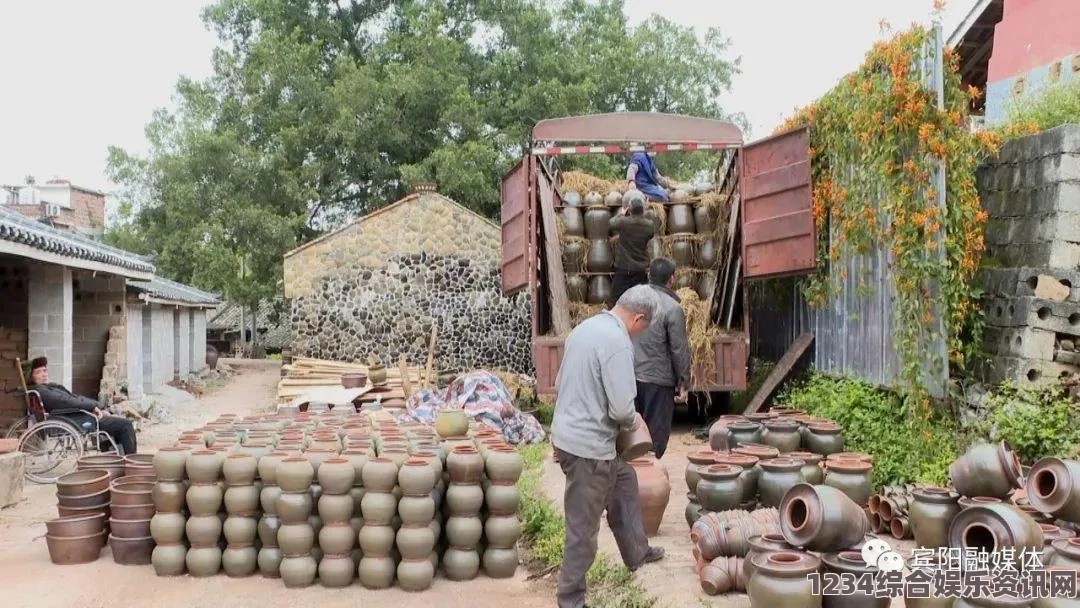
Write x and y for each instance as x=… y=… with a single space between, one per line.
x=161 y=345
x=98 y=306
x=198 y=339
x=182 y=333
x=49 y=318
x=134 y=339
x=14 y=287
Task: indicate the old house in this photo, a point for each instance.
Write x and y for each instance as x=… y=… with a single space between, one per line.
x=375 y=288
x=272 y=332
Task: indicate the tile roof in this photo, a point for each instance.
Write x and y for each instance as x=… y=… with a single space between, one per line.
x=16 y=228
x=172 y=291
x=275 y=335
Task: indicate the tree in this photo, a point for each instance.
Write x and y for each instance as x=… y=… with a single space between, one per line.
x=319 y=111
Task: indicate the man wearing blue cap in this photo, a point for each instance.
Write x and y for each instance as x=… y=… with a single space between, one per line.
x=643 y=175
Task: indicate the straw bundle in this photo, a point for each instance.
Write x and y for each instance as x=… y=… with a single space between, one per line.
x=700 y=334
x=583 y=183
x=579 y=311
x=660 y=211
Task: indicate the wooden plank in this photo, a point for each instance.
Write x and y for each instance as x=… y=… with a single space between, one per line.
x=431 y=356
x=560 y=300
x=729 y=248
x=406 y=385
x=779 y=373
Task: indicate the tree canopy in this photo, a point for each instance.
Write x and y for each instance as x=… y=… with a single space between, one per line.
x=322 y=110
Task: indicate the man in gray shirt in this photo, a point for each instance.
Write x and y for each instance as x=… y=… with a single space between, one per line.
x=596 y=391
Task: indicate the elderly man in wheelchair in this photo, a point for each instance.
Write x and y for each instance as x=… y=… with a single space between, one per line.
x=81 y=411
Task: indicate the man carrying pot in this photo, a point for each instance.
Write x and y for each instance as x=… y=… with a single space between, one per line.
x=635 y=227
x=79 y=410
x=596 y=391
x=662 y=358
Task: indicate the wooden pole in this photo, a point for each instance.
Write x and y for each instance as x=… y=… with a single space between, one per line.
x=430 y=356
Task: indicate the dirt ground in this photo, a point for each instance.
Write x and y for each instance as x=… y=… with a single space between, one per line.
x=30 y=579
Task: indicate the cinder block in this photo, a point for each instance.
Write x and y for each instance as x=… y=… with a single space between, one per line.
x=1025 y=372
x=1022 y=342
x=1063 y=139
x=1023 y=311
x=16 y=335
x=12 y=470
x=1057 y=254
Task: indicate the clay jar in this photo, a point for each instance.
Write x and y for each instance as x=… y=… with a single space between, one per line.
x=337 y=538
x=1053 y=486
x=203 y=530
x=298 y=571
x=720 y=488
x=780 y=579
x=336 y=508
x=600 y=258
x=378 y=507
x=357 y=457
x=464 y=499
x=504 y=531
x=852 y=477
x=242 y=499
x=743 y=432
x=695 y=462
x=503 y=464
x=749 y=476
x=416 y=477
x=680 y=219
x=597 y=221
x=168 y=559
x=991 y=470
x=464 y=531
x=167 y=527
x=204 y=498
x=782 y=434
x=336 y=571
x=415 y=542
x=599 y=289
x=169 y=496
x=851 y=563
x=376 y=572
x=170 y=463
x=692 y=512
x=778 y=475
x=500 y=563
x=376 y=540
x=336 y=475
x=465 y=465
x=824 y=438
x=502 y=499
x=294 y=474
x=654 y=491
x=718 y=432
x=203 y=466
x=764 y=544
x=239 y=469
x=380 y=475
x=295 y=539
x=240 y=530
x=930 y=514
x=811 y=470
x=239 y=560
x=1053 y=533
x=821 y=518
x=415 y=574
x=576 y=287
x=294 y=507
x=203 y=561
x=965 y=501
x=416 y=510
x=573 y=222
x=460 y=564
x=992 y=528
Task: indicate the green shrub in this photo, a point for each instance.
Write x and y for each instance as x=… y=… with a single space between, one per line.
x=876 y=422
x=1048 y=108
x=1036 y=422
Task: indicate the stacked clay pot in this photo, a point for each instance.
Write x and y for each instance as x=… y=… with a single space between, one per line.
x=167 y=525
x=415 y=538
x=205 y=497
x=241 y=500
x=269 y=557
x=131 y=509
x=931 y=513
x=502 y=528
x=720 y=487
x=296 y=536
x=748 y=478
x=728 y=533
x=78 y=538
x=464 y=499
x=378 y=565
x=337 y=537
x=780 y=579
x=850 y=476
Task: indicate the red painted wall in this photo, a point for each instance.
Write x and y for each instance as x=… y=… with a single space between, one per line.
x=1033 y=33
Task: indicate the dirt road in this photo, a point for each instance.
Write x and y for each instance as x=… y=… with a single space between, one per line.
x=30 y=579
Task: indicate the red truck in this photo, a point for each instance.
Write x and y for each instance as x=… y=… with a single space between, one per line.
x=771 y=226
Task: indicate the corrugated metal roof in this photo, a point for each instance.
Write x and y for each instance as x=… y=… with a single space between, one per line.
x=16 y=228
x=165 y=289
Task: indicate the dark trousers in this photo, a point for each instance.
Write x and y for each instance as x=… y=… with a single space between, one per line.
x=625 y=279
x=592 y=486
x=656 y=404
x=119 y=428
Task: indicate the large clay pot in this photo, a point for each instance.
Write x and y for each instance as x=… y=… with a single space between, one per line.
x=502 y=499
x=337 y=539
x=358 y=457
x=377 y=374
x=989 y=470
x=1053 y=487
x=295 y=474
x=577 y=288
x=336 y=475
x=683 y=281
x=240 y=530
x=1053 y=533
x=295 y=539
x=465 y=465
x=1038 y=516
x=729 y=532
x=240 y=469
x=203 y=466
x=240 y=560
x=294 y=507
x=505 y=530
x=680 y=219
x=415 y=574
x=464 y=531
x=748 y=477
x=298 y=571
x=415 y=542
x=203 y=561
x=655 y=248
x=811 y=470
x=241 y=500
x=376 y=540
x=169 y=496
x=268 y=499
x=692 y=512
x=599 y=289
x=203 y=529
x=654 y=491
x=167 y=527
x=269 y=560
x=719 y=432
x=416 y=510
x=852 y=477
x=336 y=571
x=168 y=559
x=597 y=222
x=705 y=217
x=930 y=513
x=378 y=508
x=336 y=508
x=204 y=498
x=720 y=488
x=461 y=564
x=601 y=258
x=613 y=199
x=782 y=434
x=571 y=198
x=778 y=475
x=573 y=223
x=682 y=251
x=451 y=423
x=741 y=432
x=500 y=563
x=416 y=478
x=706 y=285
x=780 y=579
x=170 y=463
x=821 y=518
x=852 y=563
x=380 y=474
x=696 y=461
x=503 y=464
x=593 y=199
x=763 y=544
x=376 y=572
x=824 y=439
x=708 y=253
x=992 y=528
x=927 y=570
x=268 y=530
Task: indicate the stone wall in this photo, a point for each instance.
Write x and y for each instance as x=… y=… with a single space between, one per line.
x=375 y=289
x=14 y=284
x=49 y=317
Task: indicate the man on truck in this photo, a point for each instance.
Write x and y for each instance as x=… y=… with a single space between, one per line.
x=634 y=227
x=642 y=175
x=662 y=358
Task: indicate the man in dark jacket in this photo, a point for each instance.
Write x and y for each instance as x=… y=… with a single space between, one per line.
x=662 y=358
x=59 y=401
x=634 y=227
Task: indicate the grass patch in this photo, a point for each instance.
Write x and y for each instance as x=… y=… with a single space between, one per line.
x=759 y=371
x=544 y=532
x=1047 y=108
x=1037 y=422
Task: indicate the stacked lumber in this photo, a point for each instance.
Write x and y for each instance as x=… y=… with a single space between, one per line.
x=306 y=375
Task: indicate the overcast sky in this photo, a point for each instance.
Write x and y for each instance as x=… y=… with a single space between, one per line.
x=77 y=76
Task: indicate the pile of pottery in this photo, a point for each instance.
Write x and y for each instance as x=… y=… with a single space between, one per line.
x=337 y=497
x=78 y=537
x=131 y=507
x=892 y=509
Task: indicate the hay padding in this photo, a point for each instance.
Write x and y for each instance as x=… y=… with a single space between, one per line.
x=700 y=334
